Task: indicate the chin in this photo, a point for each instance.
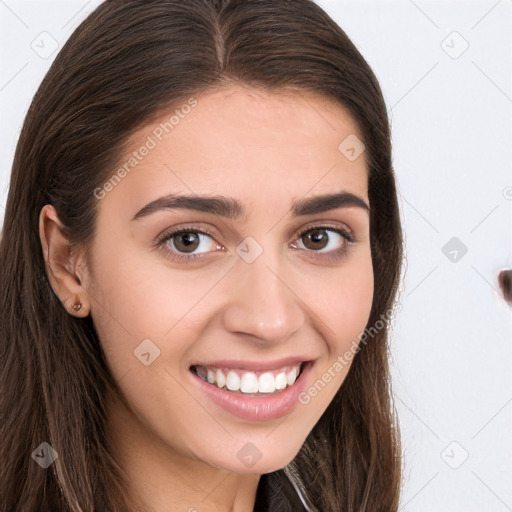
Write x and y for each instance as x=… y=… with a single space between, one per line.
x=251 y=460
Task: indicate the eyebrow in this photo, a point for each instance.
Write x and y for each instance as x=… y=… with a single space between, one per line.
x=231 y=208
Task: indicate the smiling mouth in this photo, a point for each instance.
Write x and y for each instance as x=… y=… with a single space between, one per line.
x=250 y=383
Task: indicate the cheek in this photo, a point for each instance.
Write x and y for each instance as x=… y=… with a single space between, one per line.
x=137 y=297
x=124 y=309
x=346 y=301
x=356 y=298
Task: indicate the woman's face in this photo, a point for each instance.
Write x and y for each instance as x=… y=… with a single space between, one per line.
x=245 y=292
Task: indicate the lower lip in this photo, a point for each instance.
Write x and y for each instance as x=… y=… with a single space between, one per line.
x=256 y=408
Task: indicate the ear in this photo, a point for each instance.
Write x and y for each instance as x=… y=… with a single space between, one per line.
x=62 y=266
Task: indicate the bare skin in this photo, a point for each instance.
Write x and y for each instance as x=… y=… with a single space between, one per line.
x=267 y=150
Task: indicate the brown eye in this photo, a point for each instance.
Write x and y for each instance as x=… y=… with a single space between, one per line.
x=186 y=241
x=325 y=240
x=316 y=239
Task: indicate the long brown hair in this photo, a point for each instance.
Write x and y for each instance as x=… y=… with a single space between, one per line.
x=128 y=62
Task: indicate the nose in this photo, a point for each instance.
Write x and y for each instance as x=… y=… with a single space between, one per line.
x=262 y=302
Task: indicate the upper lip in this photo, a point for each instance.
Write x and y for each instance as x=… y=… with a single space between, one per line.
x=255 y=365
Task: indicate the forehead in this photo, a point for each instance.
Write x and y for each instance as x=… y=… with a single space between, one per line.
x=253 y=143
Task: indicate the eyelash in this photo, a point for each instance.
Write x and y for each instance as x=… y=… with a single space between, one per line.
x=330 y=256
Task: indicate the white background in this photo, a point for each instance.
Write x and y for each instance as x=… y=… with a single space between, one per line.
x=451 y=115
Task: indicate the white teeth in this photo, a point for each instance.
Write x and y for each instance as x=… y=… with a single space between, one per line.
x=291 y=376
x=266 y=383
x=281 y=380
x=250 y=382
x=233 y=381
x=220 y=378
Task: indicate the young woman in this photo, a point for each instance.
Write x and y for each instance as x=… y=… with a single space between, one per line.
x=200 y=258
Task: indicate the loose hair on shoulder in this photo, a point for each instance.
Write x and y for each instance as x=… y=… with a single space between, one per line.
x=124 y=65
